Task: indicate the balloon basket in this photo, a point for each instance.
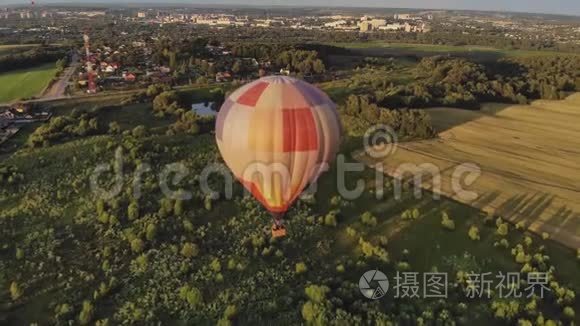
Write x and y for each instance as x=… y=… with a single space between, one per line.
x=278 y=231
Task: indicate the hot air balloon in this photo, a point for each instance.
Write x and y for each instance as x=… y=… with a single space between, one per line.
x=277 y=135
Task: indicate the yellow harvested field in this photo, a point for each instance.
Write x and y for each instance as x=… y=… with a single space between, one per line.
x=529 y=156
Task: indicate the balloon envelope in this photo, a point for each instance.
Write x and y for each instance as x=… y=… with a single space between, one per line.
x=277 y=134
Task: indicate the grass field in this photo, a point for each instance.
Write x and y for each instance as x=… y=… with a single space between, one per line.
x=16 y=48
x=25 y=83
x=476 y=52
x=528 y=157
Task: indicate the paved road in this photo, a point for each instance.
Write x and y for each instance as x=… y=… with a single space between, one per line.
x=58 y=89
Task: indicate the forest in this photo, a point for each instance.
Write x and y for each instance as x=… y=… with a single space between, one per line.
x=458 y=82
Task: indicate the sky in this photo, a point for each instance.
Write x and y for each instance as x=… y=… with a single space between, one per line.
x=567 y=7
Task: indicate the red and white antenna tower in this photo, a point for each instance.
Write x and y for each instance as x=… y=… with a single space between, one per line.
x=90 y=73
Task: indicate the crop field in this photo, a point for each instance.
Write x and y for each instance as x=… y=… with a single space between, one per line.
x=528 y=156
x=25 y=83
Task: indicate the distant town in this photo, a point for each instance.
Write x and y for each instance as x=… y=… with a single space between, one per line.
x=510 y=26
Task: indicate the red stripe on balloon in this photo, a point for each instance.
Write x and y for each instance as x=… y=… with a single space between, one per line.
x=299 y=130
x=252 y=95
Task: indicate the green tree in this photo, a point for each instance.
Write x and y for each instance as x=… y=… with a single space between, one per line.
x=114 y=128
x=87 y=313
x=19 y=254
x=139 y=132
x=192 y=295
x=503 y=229
x=447 y=222
x=137 y=245
x=151 y=232
x=301 y=268
x=367 y=218
x=133 y=211
x=474 y=233
x=189 y=250
x=15 y=291
x=569 y=313
x=215 y=265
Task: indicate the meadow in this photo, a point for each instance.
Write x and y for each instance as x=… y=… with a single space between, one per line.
x=528 y=159
x=25 y=83
x=381 y=48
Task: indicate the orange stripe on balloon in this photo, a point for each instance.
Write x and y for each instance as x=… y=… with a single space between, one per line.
x=255 y=191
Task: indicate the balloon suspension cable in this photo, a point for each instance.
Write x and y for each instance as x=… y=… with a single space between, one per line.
x=278 y=219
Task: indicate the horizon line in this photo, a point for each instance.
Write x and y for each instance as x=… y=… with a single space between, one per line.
x=152 y=4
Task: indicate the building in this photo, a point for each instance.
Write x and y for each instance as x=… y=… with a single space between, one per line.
x=141 y=14
x=403 y=16
x=376 y=23
x=392 y=27
x=335 y=24
x=365 y=26
x=93 y=13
